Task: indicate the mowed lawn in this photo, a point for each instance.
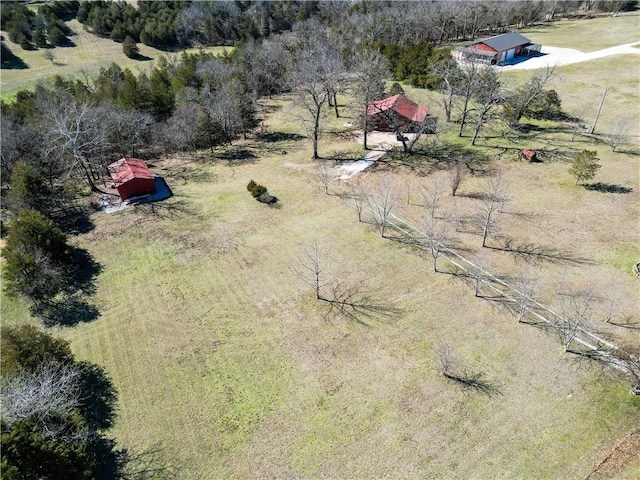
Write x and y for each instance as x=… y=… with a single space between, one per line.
x=588 y=35
x=223 y=358
x=85 y=58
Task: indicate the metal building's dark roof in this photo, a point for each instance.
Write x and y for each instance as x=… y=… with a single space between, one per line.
x=505 y=41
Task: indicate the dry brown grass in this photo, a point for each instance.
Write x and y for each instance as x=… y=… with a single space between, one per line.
x=221 y=354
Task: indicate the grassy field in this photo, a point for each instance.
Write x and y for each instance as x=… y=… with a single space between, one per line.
x=223 y=357
x=87 y=56
x=588 y=35
x=225 y=361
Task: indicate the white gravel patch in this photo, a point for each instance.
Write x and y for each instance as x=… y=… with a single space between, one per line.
x=385 y=141
x=348 y=170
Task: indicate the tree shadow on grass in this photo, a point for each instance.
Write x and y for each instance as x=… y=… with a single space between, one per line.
x=87 y=269
x=68 y=311
x=533 y=253
x=188 y=174
x=150 y=463
x=76 y=224
x=100 y=396
x=427 y=158
x=11 y=61
x=173 y=209
x=71 y=306
x=236 y=156
x=607 y=188
x=142 y=58
x=272 y=137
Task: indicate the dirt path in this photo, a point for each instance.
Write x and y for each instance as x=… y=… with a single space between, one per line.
x=556 y=56
x=382 y=142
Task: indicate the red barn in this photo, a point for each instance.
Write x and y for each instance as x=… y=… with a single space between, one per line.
x=132 y=178
x=398 y=111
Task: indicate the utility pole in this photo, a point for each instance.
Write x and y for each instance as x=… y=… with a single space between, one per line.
x=593 y=127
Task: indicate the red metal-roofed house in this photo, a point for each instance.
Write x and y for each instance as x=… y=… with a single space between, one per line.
x=501 y=48
x=132 y=178
x=397 y=113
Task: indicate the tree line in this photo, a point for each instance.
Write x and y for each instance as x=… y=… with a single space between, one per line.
x=43 y=29
x=56 y=410
x=172 y=24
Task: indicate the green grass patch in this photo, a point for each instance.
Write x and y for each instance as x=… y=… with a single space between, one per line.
x=588 y=35
x=89 y=54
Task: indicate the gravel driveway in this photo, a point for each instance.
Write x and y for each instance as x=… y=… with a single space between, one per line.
x=556 y=56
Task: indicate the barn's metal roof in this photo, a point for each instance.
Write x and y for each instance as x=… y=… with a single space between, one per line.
x=401 y=105
x=127 y=169
x=506 y=41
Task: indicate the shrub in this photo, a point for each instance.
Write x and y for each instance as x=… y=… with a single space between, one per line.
x=256 y=189
x=57 y=37
x=395 y=89
x=545 y=106
x=259 y=192
x=130 y=48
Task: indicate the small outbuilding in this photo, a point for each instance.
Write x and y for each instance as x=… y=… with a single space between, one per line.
x=399 y=113
x=132 y=178
x=529 y=155
x=499 y=49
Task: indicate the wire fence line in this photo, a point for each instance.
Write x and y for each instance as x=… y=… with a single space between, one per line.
x=490 y=280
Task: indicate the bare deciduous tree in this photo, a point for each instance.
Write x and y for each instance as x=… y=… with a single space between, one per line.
x=576 y=313
x=76 y=129
x=309 y=268
x=488 y=95
x=527 y=286
x=438 y=233
x=470 y=72
x=451 y=368
x=370 y=70
x=477 y=277
x=42 y=396
x=457 y=173
x=324 y=175
x=432 y=194
x=519 y=101
x=351 y=300
x=450 y=75
x=49 y=55
x=628 y=356
x=496 y=194
x=381 y=202
x=619 y=132
x=309 y=80
x=358 y=195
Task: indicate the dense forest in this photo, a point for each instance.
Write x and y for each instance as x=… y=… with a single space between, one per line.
x=178 y=24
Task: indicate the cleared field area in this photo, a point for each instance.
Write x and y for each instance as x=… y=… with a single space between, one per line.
x=582 y=85
x=221 y=355
x=588 y=35
x=89 y=54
